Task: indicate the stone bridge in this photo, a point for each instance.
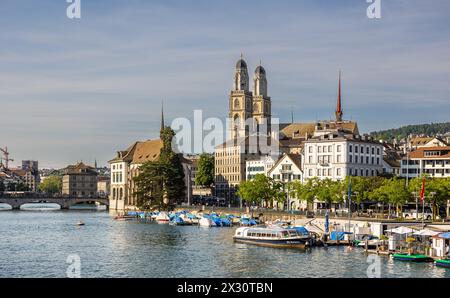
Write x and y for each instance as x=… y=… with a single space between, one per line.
x=64 y=202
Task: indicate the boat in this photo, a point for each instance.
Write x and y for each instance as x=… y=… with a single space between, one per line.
x=162 y=217
x=443 y=263
x=412 y=257
x=123 y=217
x=206 y=222
x=80 y=223
x=271 y=237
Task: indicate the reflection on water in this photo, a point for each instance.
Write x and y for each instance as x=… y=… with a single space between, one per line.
x=36 y=244
x=40 y=207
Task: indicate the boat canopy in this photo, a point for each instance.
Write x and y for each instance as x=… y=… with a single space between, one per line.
x=425 y=232
x=444 y=235
x=336 y=235
x=401 y=230
x=302 y=230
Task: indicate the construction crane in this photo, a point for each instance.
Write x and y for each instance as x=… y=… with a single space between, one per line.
x=6 y=157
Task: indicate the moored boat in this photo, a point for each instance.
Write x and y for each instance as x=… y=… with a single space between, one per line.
x=443 y=263
x=412 y=257
x=206 y=222
x=271 y=237
x=162 y=217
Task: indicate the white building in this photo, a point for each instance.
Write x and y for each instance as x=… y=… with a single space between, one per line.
x=335 y=155
x=289 y=168
x=259 y=166
x=433 y=161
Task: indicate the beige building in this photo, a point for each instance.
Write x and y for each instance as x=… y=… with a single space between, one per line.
x=125 y=166
x=103 y=186
x=79 y=180
x=250 y=132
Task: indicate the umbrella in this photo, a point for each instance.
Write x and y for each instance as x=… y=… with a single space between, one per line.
x=401 y=230
x=426 y=232
x=444 y=235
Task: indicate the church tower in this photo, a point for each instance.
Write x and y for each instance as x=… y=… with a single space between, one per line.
x=240 y=103
x=261 y=102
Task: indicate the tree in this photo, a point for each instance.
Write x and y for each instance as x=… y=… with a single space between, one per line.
x=249 y=193
x=205 y=172
x=392 y=191
x=437 y=191
x=161 y=182
x=51 y=185
x=362 y=187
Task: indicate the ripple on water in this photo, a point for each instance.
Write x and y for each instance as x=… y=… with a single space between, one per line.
x=36 y=244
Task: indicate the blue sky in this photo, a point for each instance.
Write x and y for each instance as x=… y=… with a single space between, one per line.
x=82 y=89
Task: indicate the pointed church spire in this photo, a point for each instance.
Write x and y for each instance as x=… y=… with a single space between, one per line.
x=162 y=115
x=339 y=112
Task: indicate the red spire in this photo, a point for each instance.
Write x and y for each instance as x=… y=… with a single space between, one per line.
x=338 y=112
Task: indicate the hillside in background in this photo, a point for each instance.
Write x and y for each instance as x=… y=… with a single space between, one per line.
x=432 y=129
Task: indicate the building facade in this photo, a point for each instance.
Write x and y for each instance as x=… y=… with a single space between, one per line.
x=250 y=132
x=79 y=180
x=260 y=166
x=432 y=161
x=289 y=168
x=337 y=155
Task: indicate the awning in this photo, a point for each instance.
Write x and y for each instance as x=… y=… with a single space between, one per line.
x=401 y=230
x=444 y=235
x=425 y=232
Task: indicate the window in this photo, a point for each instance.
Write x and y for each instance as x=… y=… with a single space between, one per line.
x=367 y=150
x=319 y=149
x=356 y=159
x=338 y=148
x=338 y=158
x=373 y=150
x=356 y=149
x=310 y=159
x=378 y=151
x=367 y=159
x=350 y=148
x=338 y=172
x=350 y=158
x=310 y=173
x=286 y=167
x=310 y=149
x=330 y=148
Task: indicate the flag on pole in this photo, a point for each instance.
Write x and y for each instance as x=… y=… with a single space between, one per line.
x=422 y=192
x=349 y=194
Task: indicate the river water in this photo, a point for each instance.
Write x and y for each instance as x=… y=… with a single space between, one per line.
x=38 y=244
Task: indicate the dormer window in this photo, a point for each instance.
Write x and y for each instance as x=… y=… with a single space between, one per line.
x=432 y=153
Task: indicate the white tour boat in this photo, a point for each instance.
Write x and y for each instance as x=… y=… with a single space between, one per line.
x=274 y=236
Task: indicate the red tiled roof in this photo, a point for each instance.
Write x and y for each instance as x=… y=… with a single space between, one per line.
x=420 y=152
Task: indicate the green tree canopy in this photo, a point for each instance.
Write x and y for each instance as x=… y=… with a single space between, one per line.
x=51 y=185
x=205 y=172
x=161 y=182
